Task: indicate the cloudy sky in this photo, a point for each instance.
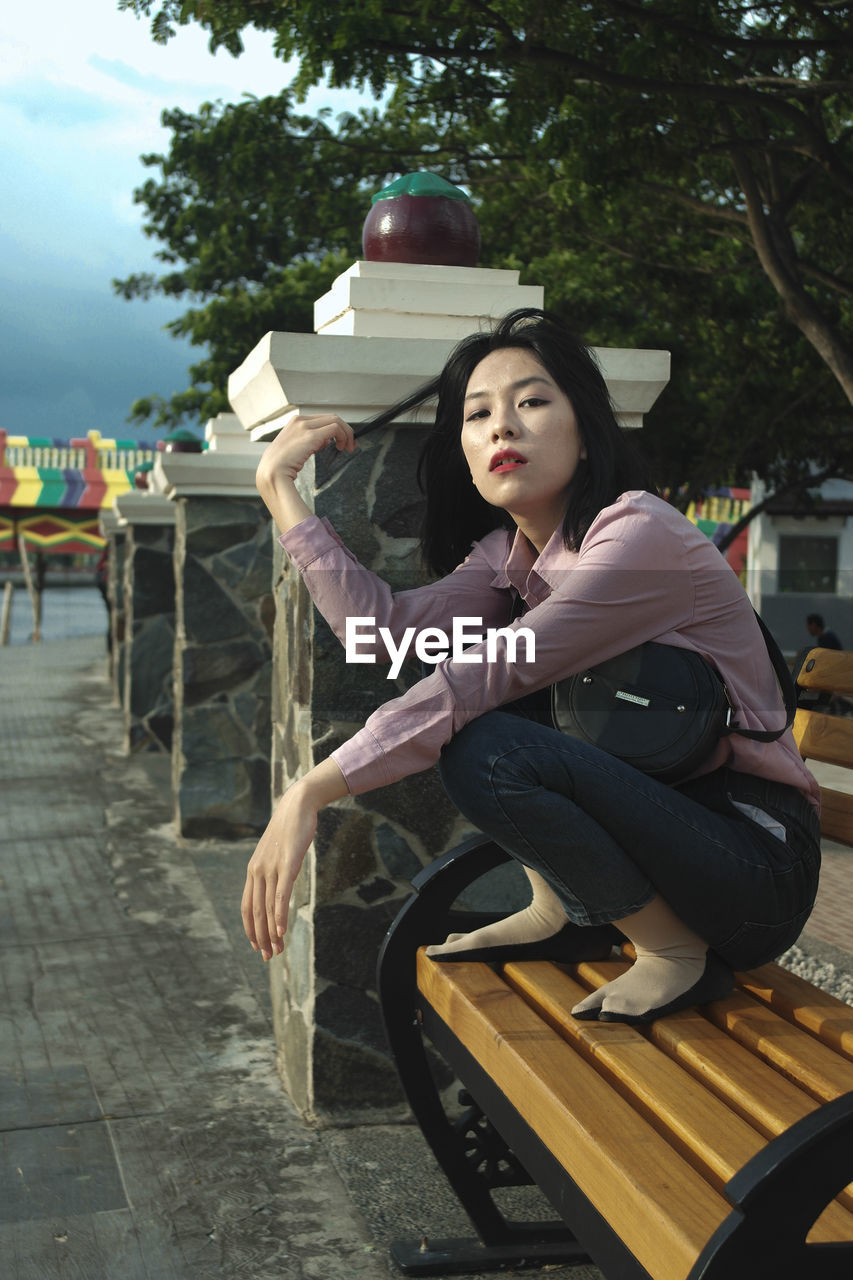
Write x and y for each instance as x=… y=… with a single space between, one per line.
x=82 y=86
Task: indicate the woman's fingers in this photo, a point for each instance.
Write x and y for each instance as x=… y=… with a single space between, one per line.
x=253 y=911
x=304 y=436
x=269 y=910
x=246 y=911
x=340 y=433
x=282 y=908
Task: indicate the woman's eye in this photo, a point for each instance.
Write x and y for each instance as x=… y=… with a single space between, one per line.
x=476 y=415
x=533 y=401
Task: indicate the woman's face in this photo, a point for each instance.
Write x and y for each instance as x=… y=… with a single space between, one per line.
x=521 y=440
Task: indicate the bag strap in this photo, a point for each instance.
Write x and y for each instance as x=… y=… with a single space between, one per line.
x=780 y=666
x=786 y=684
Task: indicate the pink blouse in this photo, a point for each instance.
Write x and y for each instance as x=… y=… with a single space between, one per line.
x=643 y=572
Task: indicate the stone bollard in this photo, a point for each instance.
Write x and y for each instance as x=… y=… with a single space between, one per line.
x=115 y=536
x=149 y=621
x=331 y=1045
x=224 y=624
x=223 y=652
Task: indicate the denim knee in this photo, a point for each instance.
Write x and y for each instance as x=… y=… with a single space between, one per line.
x=462 y=769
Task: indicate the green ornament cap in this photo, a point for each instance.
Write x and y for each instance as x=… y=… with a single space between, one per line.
x=183 y=435
x=420 y=184
x=181 y=441
x=143 y=468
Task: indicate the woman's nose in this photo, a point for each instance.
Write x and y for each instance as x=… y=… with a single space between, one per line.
x=503 y=427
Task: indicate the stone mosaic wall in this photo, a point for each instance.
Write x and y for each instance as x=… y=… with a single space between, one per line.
x=115 y=595
x=332 y=1050
x=149 y=637
x=223 y=664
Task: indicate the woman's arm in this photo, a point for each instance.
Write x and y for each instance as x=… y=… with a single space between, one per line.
x=277 y=860
x=340 y=586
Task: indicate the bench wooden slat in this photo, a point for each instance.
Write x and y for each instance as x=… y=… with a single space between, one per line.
x=836 y=815
x=715 y=1139
x=790 y=1050
x=831 y=671
x=793 y=998
x=823 y=737
x=767 y=1100
x=636 y=1181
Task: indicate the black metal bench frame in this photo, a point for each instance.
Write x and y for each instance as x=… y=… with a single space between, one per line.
x=775 y=1197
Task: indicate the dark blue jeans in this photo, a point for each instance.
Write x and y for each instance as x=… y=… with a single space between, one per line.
x=607 y=838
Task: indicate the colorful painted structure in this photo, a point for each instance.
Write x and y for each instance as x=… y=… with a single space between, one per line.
x=715 y=513
x=52 y=491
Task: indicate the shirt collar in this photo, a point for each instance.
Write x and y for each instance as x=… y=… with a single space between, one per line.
x=534 y=575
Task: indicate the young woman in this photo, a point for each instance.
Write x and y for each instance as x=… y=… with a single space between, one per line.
x=541 y=516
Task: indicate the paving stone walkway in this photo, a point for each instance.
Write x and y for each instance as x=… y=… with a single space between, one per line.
x=144 y=1129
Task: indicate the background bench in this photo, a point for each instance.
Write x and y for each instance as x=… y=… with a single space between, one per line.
x=716 y=1143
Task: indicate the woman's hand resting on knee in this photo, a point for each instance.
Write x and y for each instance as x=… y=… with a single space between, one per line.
x=278 y=858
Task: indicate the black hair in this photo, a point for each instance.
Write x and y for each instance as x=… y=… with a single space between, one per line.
x=456 y=515
x=816 y=619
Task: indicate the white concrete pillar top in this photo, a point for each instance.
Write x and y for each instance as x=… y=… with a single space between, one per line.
x=225 y=434
x=222 y=474
x=385 y=329
x=407 y=300
x=140 y=506
x=108 y=522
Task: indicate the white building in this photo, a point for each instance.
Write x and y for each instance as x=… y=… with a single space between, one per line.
x=800 y=561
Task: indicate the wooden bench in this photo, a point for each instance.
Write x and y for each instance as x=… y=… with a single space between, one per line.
x=716 y=1143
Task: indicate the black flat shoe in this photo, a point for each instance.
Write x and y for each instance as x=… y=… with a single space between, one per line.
x=569 y=945
x=716 y=982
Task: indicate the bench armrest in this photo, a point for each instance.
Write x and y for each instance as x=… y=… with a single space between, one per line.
x=424 y=916
x=779 y=1193
x=454 y=871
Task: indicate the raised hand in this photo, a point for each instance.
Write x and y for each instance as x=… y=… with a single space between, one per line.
x=299 y=439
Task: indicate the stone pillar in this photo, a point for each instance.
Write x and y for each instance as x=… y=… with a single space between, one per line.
x=111 y=529
x=149 y=618
x=370 y=350
x=223 y=635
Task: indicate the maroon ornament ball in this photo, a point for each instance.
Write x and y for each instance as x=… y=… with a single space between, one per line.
x=422 y=218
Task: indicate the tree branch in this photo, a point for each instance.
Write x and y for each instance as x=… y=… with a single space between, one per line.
x=792 y=47
x=796 y=487
x=798 y=304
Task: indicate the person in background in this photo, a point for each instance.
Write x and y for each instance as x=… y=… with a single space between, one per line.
x=810 y=699
x=823 y=637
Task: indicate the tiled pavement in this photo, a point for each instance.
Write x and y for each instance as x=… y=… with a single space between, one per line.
x=144 y=1134
x=143 y=1130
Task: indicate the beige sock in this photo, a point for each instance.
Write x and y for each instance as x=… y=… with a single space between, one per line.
x=543 y=918
x=670 y=960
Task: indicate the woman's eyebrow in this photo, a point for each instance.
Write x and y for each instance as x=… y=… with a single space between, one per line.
x=515 y=386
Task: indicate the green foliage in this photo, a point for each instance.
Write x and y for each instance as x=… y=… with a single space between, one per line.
x=677 y=173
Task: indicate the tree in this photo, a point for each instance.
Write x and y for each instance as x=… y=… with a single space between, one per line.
x=678 y=174
x=738 y=111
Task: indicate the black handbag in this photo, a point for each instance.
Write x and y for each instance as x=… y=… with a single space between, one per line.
x=659 y=708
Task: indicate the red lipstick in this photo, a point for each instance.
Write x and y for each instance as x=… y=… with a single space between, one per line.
x=507 y=460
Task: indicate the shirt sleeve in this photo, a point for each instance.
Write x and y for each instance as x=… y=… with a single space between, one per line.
x=343 y=589
x=605 y=601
